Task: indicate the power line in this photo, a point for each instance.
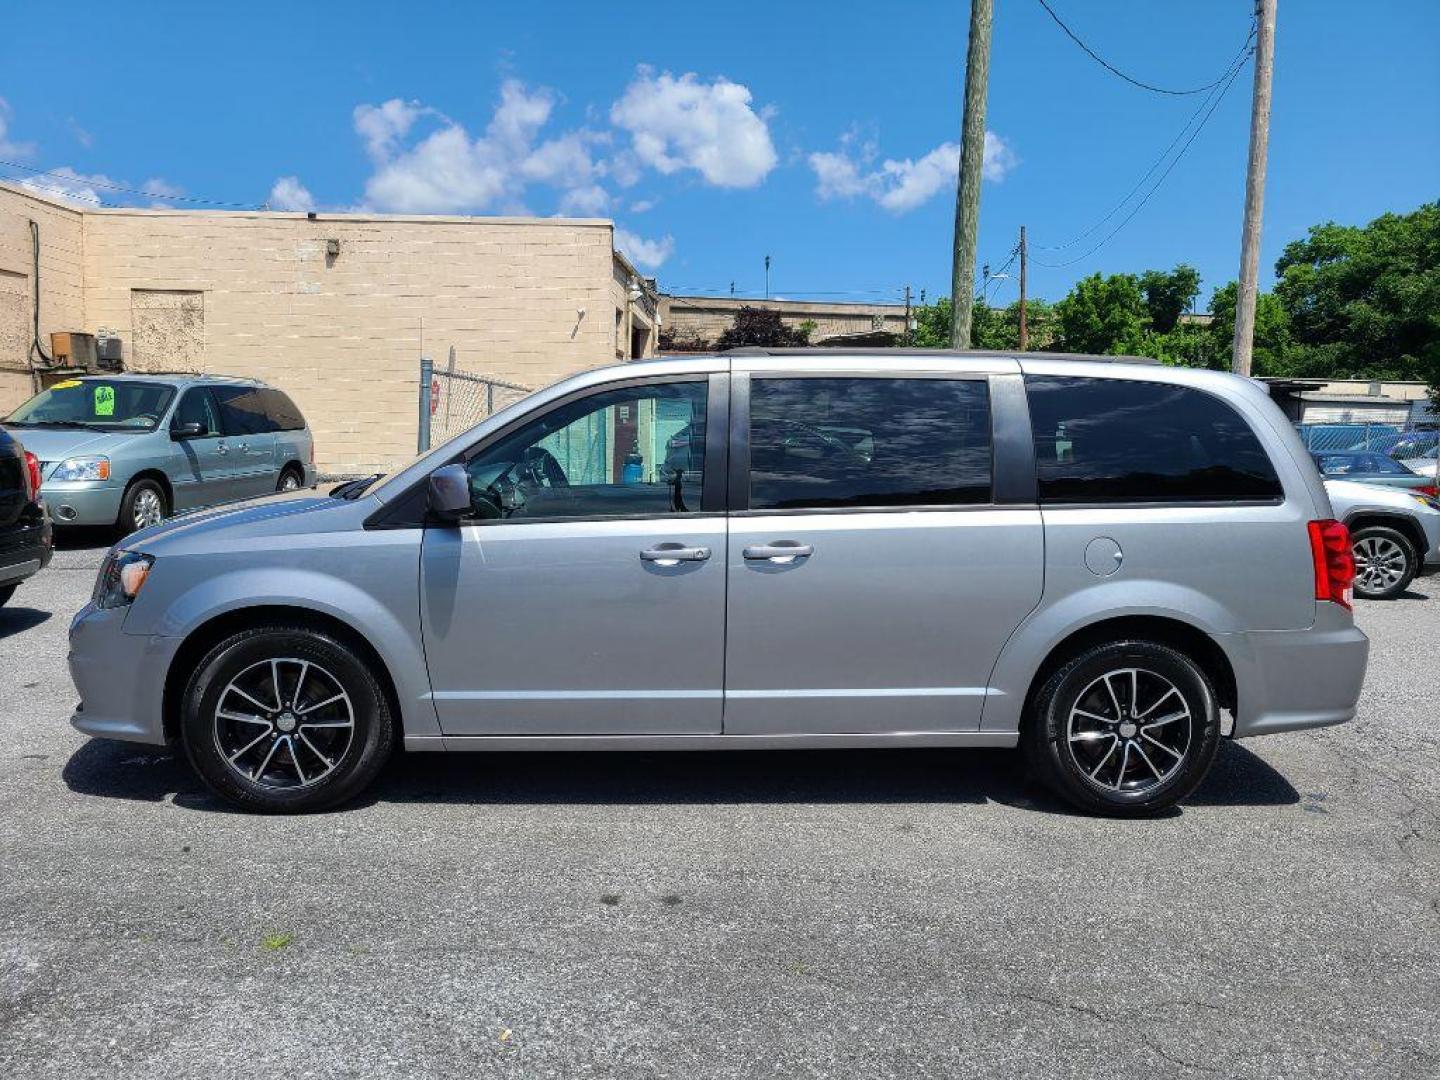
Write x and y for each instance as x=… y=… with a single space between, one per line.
x=1116 y=71
x=1158 y=183
x=87 y=182
x=1238 y=60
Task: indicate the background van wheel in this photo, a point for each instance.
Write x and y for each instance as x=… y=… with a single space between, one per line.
x=280 y=720
x=144 y=505
x=290 y=480
x=1126 y=729
x=1385 y=562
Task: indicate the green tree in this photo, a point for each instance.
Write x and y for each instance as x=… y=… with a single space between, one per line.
x=1168 y=294
x=1274 y=353
x=763 y=327
x=1103 y=315
x=1364 y=302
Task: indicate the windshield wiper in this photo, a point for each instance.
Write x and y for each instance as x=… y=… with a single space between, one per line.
x=353 y=489
x=47 y=423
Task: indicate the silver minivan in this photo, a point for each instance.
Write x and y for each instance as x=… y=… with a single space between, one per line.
x=1112 y=565
x=129 y=450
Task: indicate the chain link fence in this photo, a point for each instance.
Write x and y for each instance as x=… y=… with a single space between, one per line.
x=453 y=401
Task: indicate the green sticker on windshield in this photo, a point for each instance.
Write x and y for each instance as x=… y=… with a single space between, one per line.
x=104 y=400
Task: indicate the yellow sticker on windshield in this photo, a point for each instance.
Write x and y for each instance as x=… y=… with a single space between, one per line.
x=66 y=385
x=104 y=400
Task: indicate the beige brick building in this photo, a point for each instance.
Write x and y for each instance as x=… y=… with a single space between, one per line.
x=336 y=309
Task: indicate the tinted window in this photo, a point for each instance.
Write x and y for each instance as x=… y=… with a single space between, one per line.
x=634 y=451
x=1356 y=464
x=242 y=409
x=281 y=411
x=196 y=408
x=1113 y=440
x=817 y=443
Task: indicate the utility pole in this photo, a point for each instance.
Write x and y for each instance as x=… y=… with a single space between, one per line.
x=1254 y=187
x=1024 y=328
x=905 y=335
x=767 y=277
x=972 y=160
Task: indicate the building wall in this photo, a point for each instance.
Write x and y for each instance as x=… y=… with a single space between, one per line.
x=688 y=318
x=62 y=290
x=257 y=294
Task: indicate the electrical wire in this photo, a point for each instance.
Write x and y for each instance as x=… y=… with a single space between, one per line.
x=106 y=185
x=1240 y=59
x=1158 y=183
x=1116 y=71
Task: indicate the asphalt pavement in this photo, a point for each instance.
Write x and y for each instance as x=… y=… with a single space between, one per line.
x=765 y=914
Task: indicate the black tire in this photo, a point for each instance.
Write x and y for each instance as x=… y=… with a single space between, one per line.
x=1381 y=554
x=137 y=498
x=7 y=591
x=1062 y=758
x=292 y=474
x=355 y=762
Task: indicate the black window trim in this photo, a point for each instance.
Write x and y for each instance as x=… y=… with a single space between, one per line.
x=1156 y=504
x=717 y=408
x=1007 y=459
x=203 y=389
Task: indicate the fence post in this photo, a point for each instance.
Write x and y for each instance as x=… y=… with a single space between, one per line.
x=427 y=375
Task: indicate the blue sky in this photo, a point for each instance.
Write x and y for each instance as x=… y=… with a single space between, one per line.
x=714 y=135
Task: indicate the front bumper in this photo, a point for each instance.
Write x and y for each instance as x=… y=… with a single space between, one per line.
x=1286 y=680
x=120 y=677
x=83 y=502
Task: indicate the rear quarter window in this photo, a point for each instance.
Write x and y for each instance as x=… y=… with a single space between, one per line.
x=1129 y=441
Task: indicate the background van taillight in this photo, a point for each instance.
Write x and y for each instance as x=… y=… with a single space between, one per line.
x=32 y=476
x=1334 y=562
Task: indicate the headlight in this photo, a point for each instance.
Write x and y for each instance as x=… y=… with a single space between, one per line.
x=122 y=576
x=82 y=468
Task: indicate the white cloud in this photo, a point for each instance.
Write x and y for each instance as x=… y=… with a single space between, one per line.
x=449 y=170
x=641 y=206
x=8 y=147
x=683 y=123
x=69 y=185
x=649 y=254
x=901 y=185
x=592 y=200
x=290 y=194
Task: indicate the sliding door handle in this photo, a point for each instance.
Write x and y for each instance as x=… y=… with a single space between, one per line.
x=783 y=552
x=674 y=554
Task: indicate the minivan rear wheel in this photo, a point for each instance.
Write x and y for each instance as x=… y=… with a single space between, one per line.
x=281 y=720
x=1126 y=729
x=290 y=480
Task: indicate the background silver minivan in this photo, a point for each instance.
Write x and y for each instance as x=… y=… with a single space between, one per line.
x=129 y=450
x=1110 y=565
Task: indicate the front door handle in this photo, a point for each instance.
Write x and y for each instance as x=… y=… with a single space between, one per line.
x=783 y=552
x=221 y=448
x=674 y=554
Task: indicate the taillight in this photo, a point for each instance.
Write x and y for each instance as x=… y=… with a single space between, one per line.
x=32 y=476
x=1429 y=489
x=1334 y=562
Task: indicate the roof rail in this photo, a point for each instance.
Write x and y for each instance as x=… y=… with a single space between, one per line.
x=879 y=351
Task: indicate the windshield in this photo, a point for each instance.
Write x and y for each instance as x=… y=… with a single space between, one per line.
x=99 y=404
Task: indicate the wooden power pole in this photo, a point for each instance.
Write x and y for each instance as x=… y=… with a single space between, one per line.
x=1024 y=328
x=1254 y=187
x=905 y=334
x=972 y=161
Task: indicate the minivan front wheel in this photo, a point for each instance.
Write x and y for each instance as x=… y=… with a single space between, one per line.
x=281 y=720
x=144 y=505
x=1127 y=729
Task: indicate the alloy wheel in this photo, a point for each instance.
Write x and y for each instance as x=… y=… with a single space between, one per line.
x=1380 y=563
x=284 y=723
x=148 y=508
x=289 y=482
x=1129 y=731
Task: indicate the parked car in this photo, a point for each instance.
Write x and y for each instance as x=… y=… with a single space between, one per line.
x=1424 y=463
x=1371 y=467
x=129 y=450
x=1394 y=536
x=25 y=536
x=1088 y=559
x=1407 y=444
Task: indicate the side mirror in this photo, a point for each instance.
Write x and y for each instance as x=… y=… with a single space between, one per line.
x=449 y=492
x=191 y=429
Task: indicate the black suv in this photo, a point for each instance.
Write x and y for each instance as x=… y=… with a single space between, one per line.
x=25 y=537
